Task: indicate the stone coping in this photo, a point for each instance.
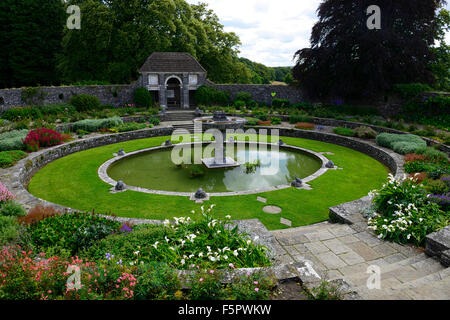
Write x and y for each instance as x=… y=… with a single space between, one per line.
x=103 y=171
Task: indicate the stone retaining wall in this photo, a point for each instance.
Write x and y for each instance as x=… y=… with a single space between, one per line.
x=263 y=92
x=114 y=95
x=16 y=178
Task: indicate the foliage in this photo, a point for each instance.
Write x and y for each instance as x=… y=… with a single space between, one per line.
x=42 y=138
x=71 y=231
x=338 y=64
x=12 y=209
x=13 y=140
x=305 y=126
x=280 y=103
x=275 y=120
x=252 y=121
x=365 y=132
x=196 y=171
x=325 y=291
x=244 y=96
x=154 y=121
x=209 y=96
x=37 y=214
x=404 y=212
x=156 y=281
x=299 y=117
x=410 y=91
x=143 y=98
x=131 y=126
x=238 y=104
x=344 y=132
x=21 y=24
x=84 y=102
x=262 y=116
x=9 y=230
x=10 y=158
x=93 y=125
x=250 y=167
x=206 y=242
x=401 y=143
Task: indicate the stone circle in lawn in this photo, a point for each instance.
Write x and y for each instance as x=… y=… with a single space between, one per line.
x=272 y=209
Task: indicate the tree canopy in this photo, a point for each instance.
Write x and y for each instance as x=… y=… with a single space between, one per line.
x=115 y=39
x=348 y=60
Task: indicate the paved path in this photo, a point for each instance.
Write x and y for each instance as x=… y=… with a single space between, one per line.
x=338 y=251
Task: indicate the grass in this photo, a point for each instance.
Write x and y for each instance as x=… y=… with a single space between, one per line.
x=72 y=181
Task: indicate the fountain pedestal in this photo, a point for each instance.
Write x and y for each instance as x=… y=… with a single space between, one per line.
x=221 y=123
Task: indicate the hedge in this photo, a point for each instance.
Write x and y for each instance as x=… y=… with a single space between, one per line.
x=84 y=102
x=401 y=143
x=143 y=98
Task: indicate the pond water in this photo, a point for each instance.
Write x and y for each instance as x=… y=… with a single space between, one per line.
x=155 y=170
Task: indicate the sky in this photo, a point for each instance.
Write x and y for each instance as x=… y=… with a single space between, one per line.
x=271 y=31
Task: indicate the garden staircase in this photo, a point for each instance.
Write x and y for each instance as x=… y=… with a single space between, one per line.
x=343 y=253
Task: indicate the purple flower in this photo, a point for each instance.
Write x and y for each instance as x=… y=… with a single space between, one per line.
x=125 y=229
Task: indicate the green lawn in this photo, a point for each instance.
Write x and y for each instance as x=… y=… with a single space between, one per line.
x=73 y=181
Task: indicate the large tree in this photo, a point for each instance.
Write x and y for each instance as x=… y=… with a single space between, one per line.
x=348 y=60
x=30 y=38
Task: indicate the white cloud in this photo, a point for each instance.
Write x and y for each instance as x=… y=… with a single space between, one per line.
x=271 y=31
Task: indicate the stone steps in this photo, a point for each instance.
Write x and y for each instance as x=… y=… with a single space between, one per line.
x=408 y=279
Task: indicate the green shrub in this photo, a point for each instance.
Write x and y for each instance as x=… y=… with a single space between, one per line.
x=261 y=116
x=84 y=102
x=208 y=96
x=299 y=117
x=435 y=186
x=131 y=126
x=252 y=121
x=252 y=104
x=280 y=103
x=401 y=143
x=154 y=121
x=143 y=98
x=10 y=158
x=12 y=209
x=344 y=132
x=71 y=231
x=13 y=140
x=157 y=281
x=21 y=113
x=238 y=104
x=93 y=125
x=244 y=96
x=9 y=230
x=432 y=154
x=411 y=90
x=275 y=120
x=365 y=133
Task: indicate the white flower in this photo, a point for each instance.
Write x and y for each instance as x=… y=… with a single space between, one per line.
x=228 y=217
x=408 y=236
x=212 y=258
x=182 y=261
x=236 y=253
x=200 y=254
x=155 y=245
x=136 y=252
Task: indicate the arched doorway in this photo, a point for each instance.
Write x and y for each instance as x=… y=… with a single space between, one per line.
x=173 y=92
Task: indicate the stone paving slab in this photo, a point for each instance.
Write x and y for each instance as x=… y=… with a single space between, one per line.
x=346 y=251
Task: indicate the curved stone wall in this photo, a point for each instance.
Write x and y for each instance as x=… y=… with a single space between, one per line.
x=17 y=177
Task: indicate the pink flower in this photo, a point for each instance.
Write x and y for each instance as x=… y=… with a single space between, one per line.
x=201 y=280
x=256 y=289
x=255 y=282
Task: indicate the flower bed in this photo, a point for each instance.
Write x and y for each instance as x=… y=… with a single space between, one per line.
x=131 y=262
x=42 y=138
x=404 y=213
